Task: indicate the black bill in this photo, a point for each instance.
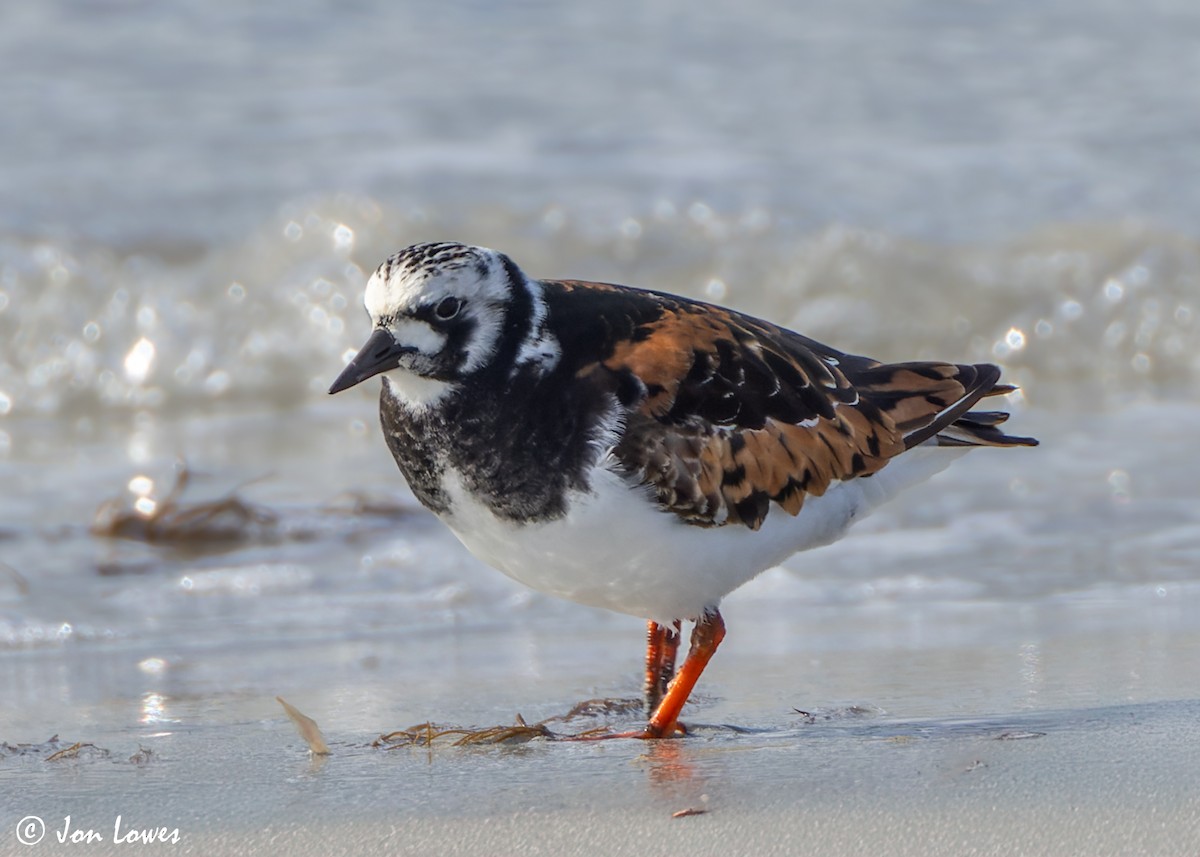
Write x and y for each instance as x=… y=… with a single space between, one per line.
x=380 y=354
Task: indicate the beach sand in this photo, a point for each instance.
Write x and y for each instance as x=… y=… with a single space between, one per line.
x=984 y=729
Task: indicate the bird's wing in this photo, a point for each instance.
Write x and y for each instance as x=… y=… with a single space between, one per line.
x=726 y=413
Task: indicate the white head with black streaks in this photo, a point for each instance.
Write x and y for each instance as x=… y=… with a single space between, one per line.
x=439 y=313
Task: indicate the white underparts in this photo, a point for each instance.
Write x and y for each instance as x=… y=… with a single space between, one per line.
x=616 y=549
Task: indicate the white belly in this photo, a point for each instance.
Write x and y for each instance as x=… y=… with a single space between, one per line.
x=615 y=549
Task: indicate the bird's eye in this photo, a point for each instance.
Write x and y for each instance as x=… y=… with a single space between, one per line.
x=447 y=308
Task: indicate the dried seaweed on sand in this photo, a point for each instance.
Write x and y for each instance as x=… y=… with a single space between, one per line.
x=427 y=734
x=170 y=520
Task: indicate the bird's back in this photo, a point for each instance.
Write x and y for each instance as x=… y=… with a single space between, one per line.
x=725 y=415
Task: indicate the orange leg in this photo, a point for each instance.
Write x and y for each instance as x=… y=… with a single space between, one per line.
x=706 y=636
x=664 y=722
x=662 y=643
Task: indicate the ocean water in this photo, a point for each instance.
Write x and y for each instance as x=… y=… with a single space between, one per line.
x=194 y=194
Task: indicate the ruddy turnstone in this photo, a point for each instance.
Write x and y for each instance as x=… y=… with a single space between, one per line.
x=639 y=451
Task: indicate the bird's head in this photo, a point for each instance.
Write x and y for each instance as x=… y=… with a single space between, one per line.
x=438 y=313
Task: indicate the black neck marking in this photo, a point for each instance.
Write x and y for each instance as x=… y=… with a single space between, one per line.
x=519 y=447
x=518 y=319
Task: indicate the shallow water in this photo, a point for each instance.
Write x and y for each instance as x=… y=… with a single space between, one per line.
x=192 y=210
x=177 y=123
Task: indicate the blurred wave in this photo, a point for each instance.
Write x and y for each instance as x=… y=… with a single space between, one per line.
x=1104 y=311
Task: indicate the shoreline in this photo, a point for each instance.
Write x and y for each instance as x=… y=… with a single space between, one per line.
x=1116 y=780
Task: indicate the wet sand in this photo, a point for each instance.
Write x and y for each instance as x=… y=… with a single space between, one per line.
x=952 y=729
